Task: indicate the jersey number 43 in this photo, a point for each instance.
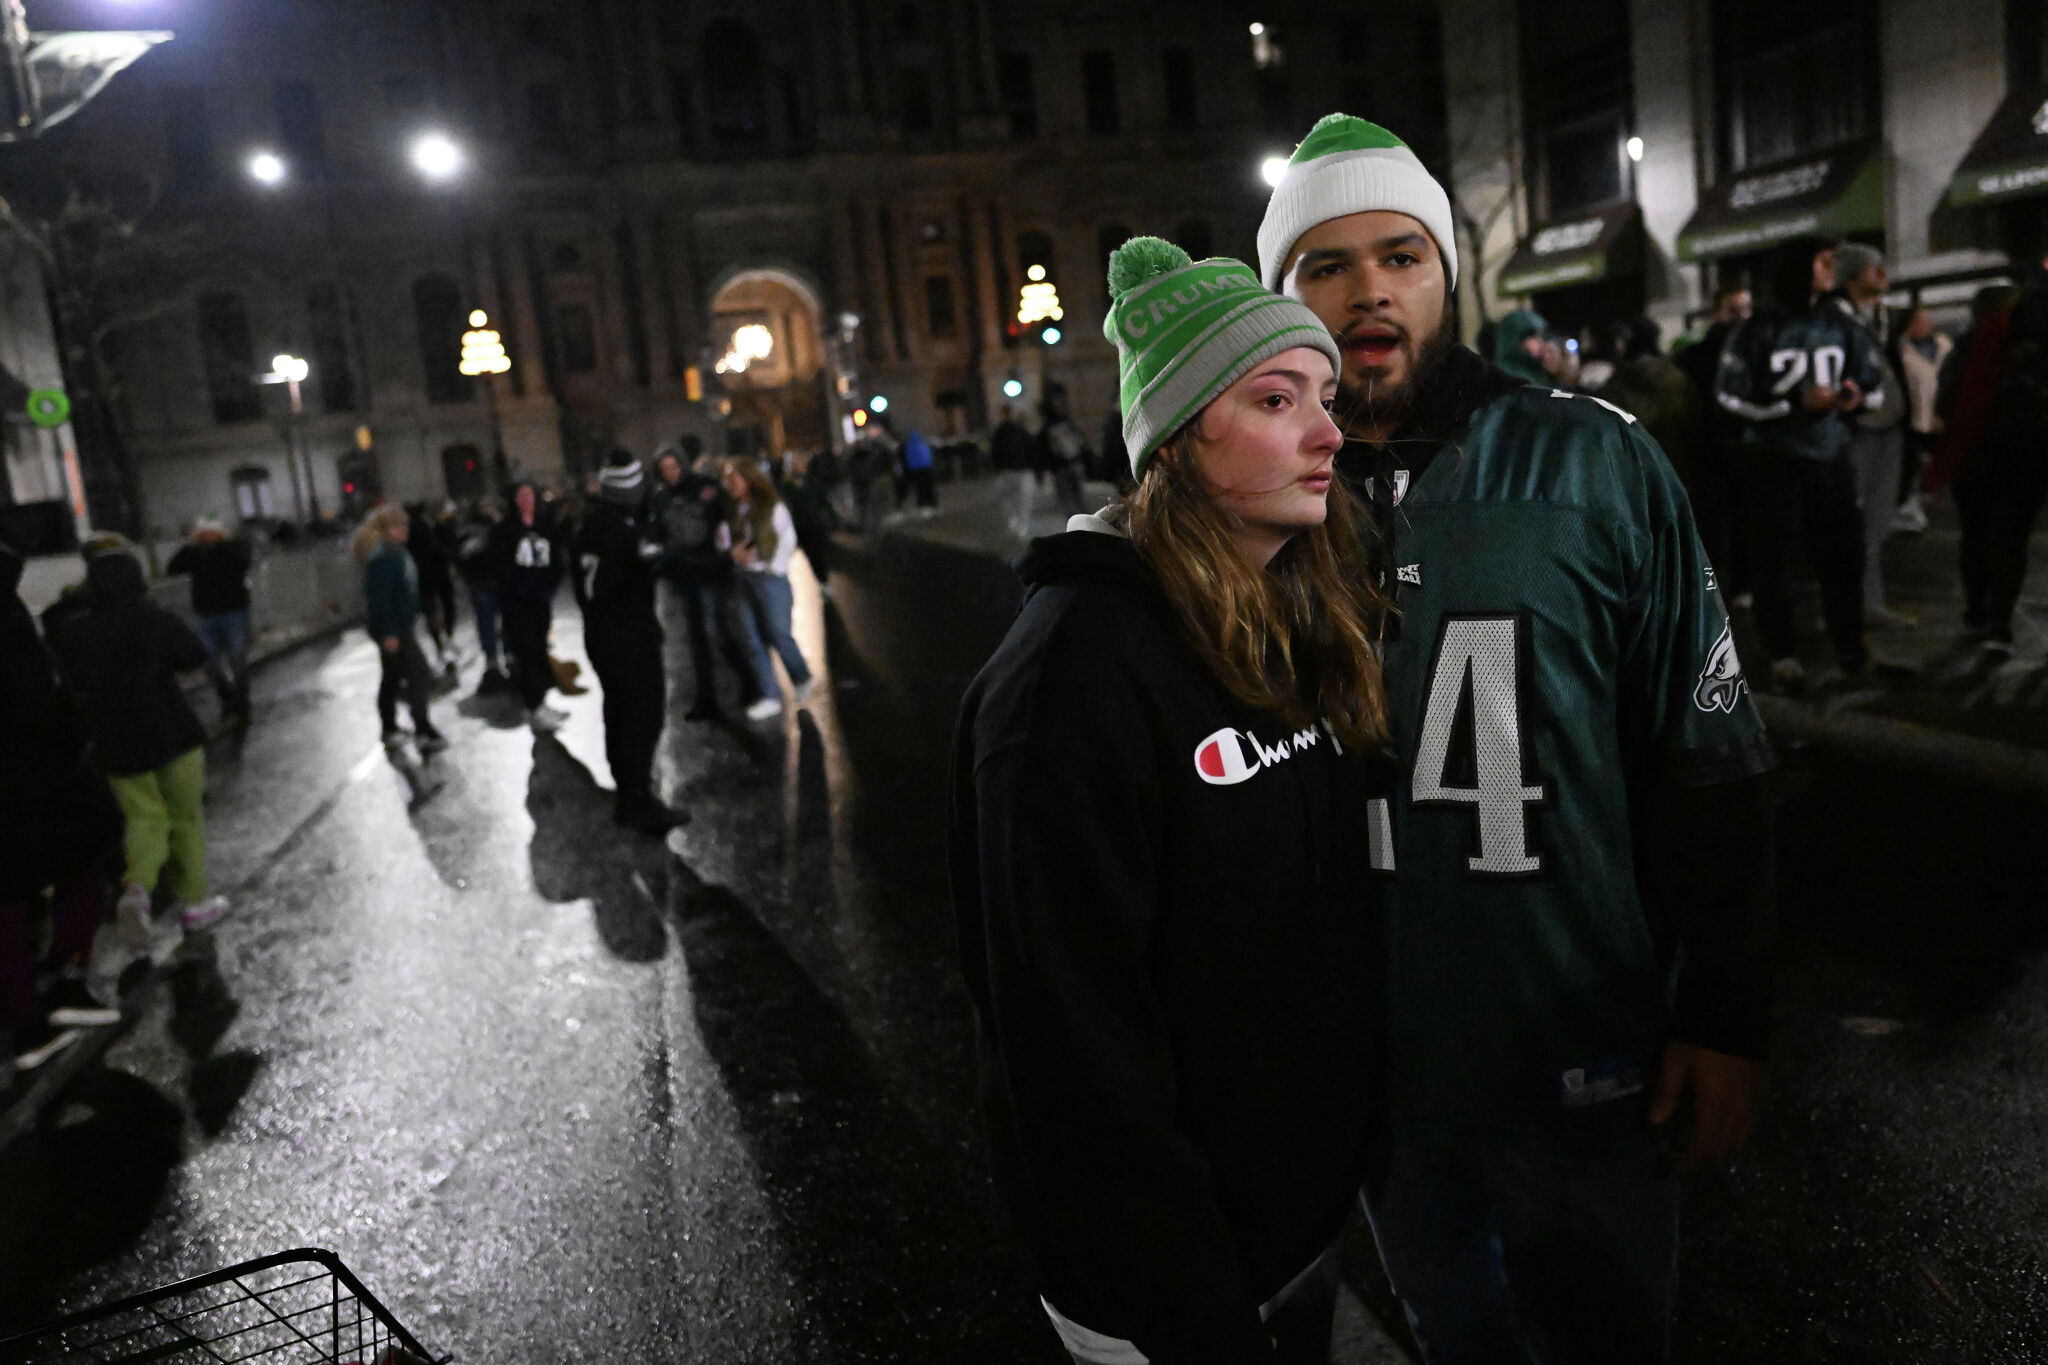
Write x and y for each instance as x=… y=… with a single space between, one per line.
x=1471 y=750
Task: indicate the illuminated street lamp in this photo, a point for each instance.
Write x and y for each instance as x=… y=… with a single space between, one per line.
x=1273 y=170
x=1013 y=388
x=750 y=343
x=483 y=356
x=267 y=169
x=879 y=403
x=1635 y=149
x=437 y=156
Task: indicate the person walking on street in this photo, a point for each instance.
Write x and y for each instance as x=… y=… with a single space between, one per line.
x=1993 y=449
x=63 y=831
x=918 y=473
x=391 y=614
x=1064 y=449
x=761 y=538
x=1581 y=802
x=1518 y=347
x=219 y=568
x=1793 y=373
x=691 y=508
x=122 y=657
x=1719 y=499
x=1922 y=352
x=805 y=491
x=428 y=545
x=528 y=554
x=484 y=576
x=1876 y=434
x=614 y=555
x=1011 y=449
x=1166 y=919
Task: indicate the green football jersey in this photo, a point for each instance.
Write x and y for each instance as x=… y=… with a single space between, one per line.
x=1560 y=640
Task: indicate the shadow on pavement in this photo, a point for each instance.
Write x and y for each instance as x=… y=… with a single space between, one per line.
x=578 y=853
x=899 y=1253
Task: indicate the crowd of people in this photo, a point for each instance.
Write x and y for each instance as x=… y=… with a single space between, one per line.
x=1813 y=423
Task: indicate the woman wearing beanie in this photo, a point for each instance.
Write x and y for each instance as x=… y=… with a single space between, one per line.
x=761 y=537
x=391 y=612
x=1164 y=905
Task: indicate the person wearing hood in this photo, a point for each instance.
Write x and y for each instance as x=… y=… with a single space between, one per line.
x=1518 y=347
x=62 y=825
x=219 y=566
x=528 y=552
x=1581 y=903
x=122 y=657
x=1166 y=920
x=615 y=554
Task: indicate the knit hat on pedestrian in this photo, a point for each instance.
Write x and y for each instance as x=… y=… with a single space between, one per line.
x=209 y=525
x=1187 y=330
x=1344 y=166
x=621 y=480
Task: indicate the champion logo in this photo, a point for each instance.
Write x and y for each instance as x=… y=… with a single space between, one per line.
x=1230 y=756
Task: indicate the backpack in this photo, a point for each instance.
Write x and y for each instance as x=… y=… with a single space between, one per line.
x=688 y=522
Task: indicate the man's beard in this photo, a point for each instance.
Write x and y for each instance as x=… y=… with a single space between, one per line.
x=1373 y=404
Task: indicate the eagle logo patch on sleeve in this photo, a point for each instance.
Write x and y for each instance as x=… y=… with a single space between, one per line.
x=1721 y=681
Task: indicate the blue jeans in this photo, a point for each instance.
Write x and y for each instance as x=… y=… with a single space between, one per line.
x=1519 y=1247
x=226 y=636
x=766 y=601
x=484 y=601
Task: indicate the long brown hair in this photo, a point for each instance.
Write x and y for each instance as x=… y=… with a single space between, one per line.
x=370 y=536
x=1297 y=637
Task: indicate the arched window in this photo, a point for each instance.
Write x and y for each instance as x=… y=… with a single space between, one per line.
x=735 y=96
x=437 y=304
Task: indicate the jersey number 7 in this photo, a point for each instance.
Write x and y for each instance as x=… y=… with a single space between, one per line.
x=1470 y=752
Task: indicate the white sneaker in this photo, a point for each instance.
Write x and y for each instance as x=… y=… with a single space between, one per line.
x=204 y=913
x=545 y=720
x=131 y=919
x=765 y=709
x=804 y=690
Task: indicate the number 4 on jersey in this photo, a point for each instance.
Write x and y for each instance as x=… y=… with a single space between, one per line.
x=1470 y=752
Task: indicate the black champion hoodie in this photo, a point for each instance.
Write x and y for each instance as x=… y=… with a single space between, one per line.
x=1167 y=929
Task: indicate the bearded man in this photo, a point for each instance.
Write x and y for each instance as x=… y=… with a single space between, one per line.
x=1578 y=851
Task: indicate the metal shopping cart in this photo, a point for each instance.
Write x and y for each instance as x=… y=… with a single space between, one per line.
x=302 y=1307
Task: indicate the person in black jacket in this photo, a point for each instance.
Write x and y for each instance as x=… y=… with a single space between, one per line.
x=1792 y=373
x=1164 y=904
x=122 y=656
x=430 y=545
x=220 y=599
x=691 y=507
x=61 y=827
x=529 y=556
x=391 y=614
x=614 y=553
x=1015 y=453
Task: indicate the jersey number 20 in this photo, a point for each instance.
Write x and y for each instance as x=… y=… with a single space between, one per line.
x=1470 y=752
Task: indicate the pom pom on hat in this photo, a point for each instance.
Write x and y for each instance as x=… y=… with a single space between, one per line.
x=1142 y=259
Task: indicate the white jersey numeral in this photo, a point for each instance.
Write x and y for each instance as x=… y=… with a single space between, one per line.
x=1826 y=362
x=1477 y=674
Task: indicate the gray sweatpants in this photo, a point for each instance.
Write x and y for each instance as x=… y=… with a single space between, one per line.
x=1876 y=455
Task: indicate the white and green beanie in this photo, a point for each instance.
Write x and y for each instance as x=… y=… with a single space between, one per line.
x=1346 y=165
x=1186 y=330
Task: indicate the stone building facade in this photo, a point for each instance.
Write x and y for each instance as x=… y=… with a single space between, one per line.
x=622 y=185
x=1634 y=155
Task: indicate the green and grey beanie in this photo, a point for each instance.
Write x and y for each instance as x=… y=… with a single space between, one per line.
x=1186 y=330
x=1344 y=166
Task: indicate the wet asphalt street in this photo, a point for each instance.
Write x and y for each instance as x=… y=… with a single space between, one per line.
x=557 y=1093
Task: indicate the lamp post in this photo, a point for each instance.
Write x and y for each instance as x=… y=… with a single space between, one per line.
x=291 y=371
x=483 y=357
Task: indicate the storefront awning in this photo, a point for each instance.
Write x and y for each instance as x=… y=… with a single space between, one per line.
x=2009 y=159
x=1576 y=251
x=1829 y=193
